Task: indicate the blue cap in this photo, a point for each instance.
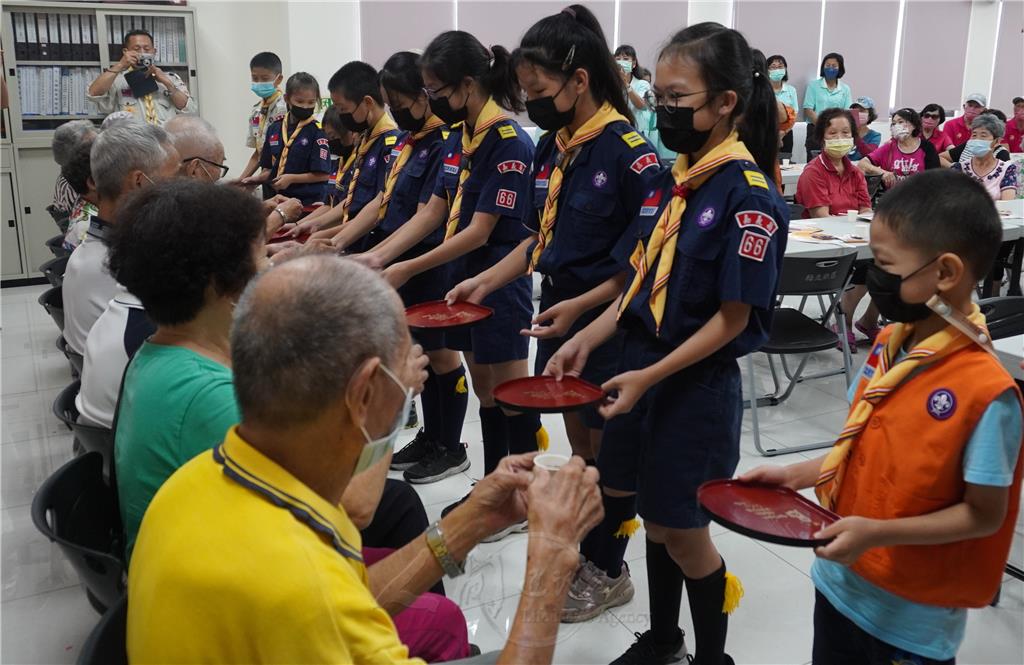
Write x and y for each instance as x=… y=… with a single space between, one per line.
x=864 y=103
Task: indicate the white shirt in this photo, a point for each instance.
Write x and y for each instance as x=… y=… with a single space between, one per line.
x=88 y=287
x=113 y=341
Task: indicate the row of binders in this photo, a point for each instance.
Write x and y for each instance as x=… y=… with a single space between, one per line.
x=70 y=37
x=168 y=36
x=50 y=91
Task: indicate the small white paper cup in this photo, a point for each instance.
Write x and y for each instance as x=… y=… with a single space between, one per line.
x=550 y=461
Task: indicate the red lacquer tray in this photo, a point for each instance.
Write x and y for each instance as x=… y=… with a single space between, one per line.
x=544 y=394
x=438 y=314
x=765 y=512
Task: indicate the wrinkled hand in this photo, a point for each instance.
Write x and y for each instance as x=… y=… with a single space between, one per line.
x=368 y=259
x=397 y=274
x=416 y=369
x=554 y=321
x=888 y=179
x=499 y=498
x=853 y=536
x=292 y=209
x=563 y=507
x=283 y=181
x=470 y=290
x=629 y=388
x=305 y=226
x=569 y=360
x=769 y=474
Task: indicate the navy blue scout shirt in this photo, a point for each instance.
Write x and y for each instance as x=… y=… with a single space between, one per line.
x=372 y=173
x=446 y=182
x=499 y=182
x=309 y=154
x=415 y=184
x=601 y=194
x=732 y=241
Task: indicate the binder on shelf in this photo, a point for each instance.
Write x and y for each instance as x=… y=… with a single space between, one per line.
x=114 y=28
x=75 y=36
x=94 y=38
x=64 y=28
x=32 y=38
x=20 y=38
x=43 y=32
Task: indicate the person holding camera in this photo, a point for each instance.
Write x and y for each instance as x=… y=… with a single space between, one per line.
x=136 y=85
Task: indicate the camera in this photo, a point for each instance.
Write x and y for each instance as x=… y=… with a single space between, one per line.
x=145 y=60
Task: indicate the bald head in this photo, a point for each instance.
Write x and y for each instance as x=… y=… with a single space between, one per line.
x=301 y=332
x=197 y=143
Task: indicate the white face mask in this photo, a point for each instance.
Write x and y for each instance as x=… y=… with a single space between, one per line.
x=376 y=449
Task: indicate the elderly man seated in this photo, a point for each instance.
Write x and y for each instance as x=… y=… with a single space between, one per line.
x=245 y=555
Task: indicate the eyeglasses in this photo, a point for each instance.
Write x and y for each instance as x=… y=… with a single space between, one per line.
x=663 y=100
x=222 y=167
x=435 y=94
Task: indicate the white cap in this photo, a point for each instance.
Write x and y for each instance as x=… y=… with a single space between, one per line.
x=978 y=98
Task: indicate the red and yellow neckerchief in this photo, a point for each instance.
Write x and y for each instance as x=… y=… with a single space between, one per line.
x=384 y=124
x=432 y=123
x=268 y=104
x=490 y=115
x=288 y=140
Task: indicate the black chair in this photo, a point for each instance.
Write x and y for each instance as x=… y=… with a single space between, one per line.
x=795 y=333
x=77 y=362
x=54 y=269
x=106 y=644
x=1004 y=315
x=52 y=301
x=796 y=211
x=64 y=406
x=56 y=245
x=76 y=509
x=92 y=438
x=62 y=218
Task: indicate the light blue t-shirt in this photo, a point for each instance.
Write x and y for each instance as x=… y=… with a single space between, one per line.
x=787 y=95
x=927 y=630
x=819 y=97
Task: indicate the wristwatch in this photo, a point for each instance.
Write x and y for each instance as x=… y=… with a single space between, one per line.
x=438 y=545
x=284 y=218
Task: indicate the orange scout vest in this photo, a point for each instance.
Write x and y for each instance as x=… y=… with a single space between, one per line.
x=908 y=461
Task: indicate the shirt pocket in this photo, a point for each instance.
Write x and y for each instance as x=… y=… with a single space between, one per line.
x=696 y=267
x=588 y=216
x=410 y=180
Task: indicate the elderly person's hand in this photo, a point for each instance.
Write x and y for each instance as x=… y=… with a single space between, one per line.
x=499 y=498
x=368 y=259
x=292 y=209
x=416 y=369
x=563 y=508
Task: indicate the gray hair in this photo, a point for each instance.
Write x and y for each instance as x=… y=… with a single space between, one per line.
x=302 y=329
x=116 y=117
x=123 y=148
x=192 y=136
x=68 y=137
x=994 y=125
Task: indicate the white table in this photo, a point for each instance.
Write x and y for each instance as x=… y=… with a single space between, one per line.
x=791 y=174
x=1011 y=353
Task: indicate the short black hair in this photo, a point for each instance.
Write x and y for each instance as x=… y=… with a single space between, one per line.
x=932 y=108
x=136 y=33
x=826 y=117
x=302 y=81
x=842 y=65
x=996 y=112
x=178 y=237
x=356 y=80
x=911 y=116
x=941 y=210
x=772 y=59
x=401 y=74
x=1018 y=100
x=456 y=54
x=78 y=169
x=332 y=119
x=266 y=60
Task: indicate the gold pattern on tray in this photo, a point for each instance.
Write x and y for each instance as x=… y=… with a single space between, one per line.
x=543 y=394
x=766 y=513
x=447 y=316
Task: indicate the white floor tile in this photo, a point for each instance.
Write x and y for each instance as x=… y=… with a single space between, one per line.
x=31 y=563
x=46 y=629
x=19 y=375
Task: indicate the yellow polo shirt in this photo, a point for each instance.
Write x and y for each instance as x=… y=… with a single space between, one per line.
x=238 y=562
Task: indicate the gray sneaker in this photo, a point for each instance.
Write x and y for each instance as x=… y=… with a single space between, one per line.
x=592 y=592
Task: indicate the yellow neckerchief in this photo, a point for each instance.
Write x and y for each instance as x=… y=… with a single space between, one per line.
x=887 y=377
x=288 y=140
x=662 y=244
x=268 y=104
x=490 y=115
x=384 y=124
x=343 y=169
x=152 y=117
x=432 y=123
x=568 y=146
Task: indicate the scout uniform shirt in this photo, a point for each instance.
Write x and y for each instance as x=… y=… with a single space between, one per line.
x=373 y=172
x=732 y=240
x=415 y=183
x=309 y=153
x=446 y=182
x=261 y=117
x=156 y=110
x=601 y=192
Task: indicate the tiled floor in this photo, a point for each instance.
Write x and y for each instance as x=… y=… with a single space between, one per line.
x=45 y=616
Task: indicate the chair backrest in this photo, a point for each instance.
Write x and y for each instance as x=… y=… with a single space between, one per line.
x=1004 y=315
x=77 y=361
x=76 y=509
x=56 y=245
x=107 y=643
x=96 y=439
x=52 y=301
x=64 y=406
x=806 y=276
x=796 y=211
x=54 y=269
x=61 y=217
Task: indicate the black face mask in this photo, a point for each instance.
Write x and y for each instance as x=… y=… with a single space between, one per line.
x=884 y=288
x=299 y=113
x=675 y=127
x=349 y=122
x=340 y=149
x=546 y=115
x=405 y=120
x=442 y=108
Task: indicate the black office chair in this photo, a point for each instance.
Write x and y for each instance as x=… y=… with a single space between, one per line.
x=77 y=361
x=1004 y=315
x=62 y=218
x=92 y=438
x=54 y=269
x=796 y=211
x=795 y=333
x=106 y=644
x=76 y=509
x=52 y=301
x=64 y=406
x=56 y=245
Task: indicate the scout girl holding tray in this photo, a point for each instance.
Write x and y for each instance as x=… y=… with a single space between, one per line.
x=712 y=237
x=591 y=174
x=468 y=83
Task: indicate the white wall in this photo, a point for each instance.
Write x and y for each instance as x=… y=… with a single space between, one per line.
x=322 y=36
x=981 y=47
x=719 y=11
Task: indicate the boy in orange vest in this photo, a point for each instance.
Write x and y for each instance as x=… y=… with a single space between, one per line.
x=926 y=473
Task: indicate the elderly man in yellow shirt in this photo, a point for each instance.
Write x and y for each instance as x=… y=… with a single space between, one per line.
x=245 y=556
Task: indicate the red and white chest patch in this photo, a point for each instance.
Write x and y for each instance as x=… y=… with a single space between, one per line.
x=757 y=219
x=753 y=246
x=512 y=165
x=644 y=162
x=506 y=199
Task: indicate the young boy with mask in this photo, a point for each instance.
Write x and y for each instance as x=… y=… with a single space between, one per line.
x=265 y=69
x=926 y=473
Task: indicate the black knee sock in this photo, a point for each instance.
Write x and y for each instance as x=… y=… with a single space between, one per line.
x=665 y=590
x=522 y=432
x=605 y=546
x=453 y=401
x=710 y=622
x=494 y=428
x=430 y=398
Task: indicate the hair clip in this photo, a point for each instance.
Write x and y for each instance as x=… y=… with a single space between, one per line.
x=757 y=74
x=570 y=11
x=568 y=58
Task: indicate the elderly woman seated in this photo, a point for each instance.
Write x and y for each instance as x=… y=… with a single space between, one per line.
x=66 y=140
x=979 y=161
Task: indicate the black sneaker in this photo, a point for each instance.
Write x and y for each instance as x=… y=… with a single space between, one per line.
x=412 y=452
x=438 y=465
x=645 y=651
x=450 y=507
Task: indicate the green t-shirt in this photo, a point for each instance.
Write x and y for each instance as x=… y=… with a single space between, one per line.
x=175 y=405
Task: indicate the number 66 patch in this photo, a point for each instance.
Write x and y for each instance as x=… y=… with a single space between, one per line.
x=753 y=246
x=506 y=199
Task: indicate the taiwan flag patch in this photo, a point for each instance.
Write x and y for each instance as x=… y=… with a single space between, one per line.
x=543 y=175
x=651 y=204
x=452 y=161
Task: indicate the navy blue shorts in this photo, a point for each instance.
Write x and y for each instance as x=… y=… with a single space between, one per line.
x=683 y=432
x=602 y=362
x=496 y=340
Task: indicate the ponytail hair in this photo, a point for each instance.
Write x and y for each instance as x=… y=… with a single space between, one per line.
x=569 y=40
x=456 y=54
x=401 y=73
x=726 y=63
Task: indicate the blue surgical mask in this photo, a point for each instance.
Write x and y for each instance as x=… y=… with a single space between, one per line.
x=978 y=147
x=264 y=90
x=777 y=74
x=376 y=449
x=831 y=72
